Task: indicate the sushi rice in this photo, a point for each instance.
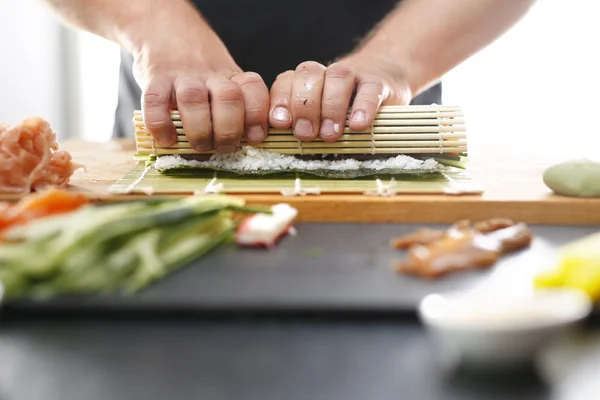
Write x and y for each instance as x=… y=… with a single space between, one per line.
x=252 y=159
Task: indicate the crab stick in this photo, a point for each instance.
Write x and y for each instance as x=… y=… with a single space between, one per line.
x=265 y=230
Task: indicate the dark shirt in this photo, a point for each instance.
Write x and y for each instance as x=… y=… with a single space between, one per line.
x=273 y=36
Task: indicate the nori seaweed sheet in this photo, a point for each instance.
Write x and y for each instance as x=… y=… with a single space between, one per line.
x=320 y=173
x=446 y=160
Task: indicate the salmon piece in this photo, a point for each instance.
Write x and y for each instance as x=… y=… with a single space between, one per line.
x=7 y=217
x=34 y=206
x=52 y=201
x=30 y=160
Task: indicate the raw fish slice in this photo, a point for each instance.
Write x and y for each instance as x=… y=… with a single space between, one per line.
x=39 y=205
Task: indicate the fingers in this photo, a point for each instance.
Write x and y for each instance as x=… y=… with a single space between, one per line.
x=156 y=100
x=256 y=106
x=194 y=109
x=337 y=91
x=227 y=110
x=280 y=116
x=219 y=122
x=369 y=95
x=218 y=109
x=314 y=100
x=305 y=102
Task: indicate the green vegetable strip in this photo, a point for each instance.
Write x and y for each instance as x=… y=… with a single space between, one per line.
x=114 y=248
x=451 y=162
x=174 y=248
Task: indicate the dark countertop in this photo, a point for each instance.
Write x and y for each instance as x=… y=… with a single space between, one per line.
x=327 y=267
x=263 y=360
x=66 y=356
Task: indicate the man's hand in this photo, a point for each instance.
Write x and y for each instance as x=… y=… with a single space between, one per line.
x=218 y=103
x=315 y=99
x=408 y=52
x=180 y=63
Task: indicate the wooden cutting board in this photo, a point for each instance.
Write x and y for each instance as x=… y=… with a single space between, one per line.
x=513 y=189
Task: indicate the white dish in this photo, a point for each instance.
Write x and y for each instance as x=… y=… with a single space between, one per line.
x=498 y=330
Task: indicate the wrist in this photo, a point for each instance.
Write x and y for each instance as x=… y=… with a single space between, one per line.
x=176 y=36
x=398 y=70
x=179 y=52
x=158 y=54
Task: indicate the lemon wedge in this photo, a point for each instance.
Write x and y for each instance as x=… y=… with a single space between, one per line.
x=578 y=267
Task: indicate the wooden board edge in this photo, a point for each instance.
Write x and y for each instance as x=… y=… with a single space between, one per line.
x=414 y=208
x=441 y=210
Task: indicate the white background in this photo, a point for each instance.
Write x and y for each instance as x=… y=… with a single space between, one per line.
x=535 y=89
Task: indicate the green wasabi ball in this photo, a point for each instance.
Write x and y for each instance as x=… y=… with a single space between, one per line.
x=576 y=178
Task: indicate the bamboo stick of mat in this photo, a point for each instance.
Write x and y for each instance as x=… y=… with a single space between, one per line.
x=336 y=145
x=375 y=129
x=395 y=130
x=295 y=147
x=144 y=137
x=391 y=151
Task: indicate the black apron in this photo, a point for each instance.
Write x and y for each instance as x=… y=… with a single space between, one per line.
x=273 y=36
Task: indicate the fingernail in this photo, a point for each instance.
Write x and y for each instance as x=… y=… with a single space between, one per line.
x=359 y=117
x=281 y=114
x=303 y=128
x=329 y=128
x=202 y=147
x=226 y=148
x=166 y=140
x=255 y=133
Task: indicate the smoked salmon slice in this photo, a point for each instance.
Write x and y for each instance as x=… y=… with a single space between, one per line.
x=38 y=205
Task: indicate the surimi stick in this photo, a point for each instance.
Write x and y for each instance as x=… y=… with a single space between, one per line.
x=264 y=230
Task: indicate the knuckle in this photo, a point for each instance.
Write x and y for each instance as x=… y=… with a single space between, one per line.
x=280 y=94
x=231 y=94
x=190 y=95
x=228 y=136
x=249 y=78
x=371 y=84
x=310 y=67
x=369 y=92
x=367 y=99
x=285 y=75
x=157 y=124
x=197 y=128
x=339 y=71
x=155 y=98
x=329 y=104
x=257 y=109
x=302 y=102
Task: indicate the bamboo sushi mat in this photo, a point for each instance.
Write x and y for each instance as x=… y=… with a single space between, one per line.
x=396 y=130
x=143 y=179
